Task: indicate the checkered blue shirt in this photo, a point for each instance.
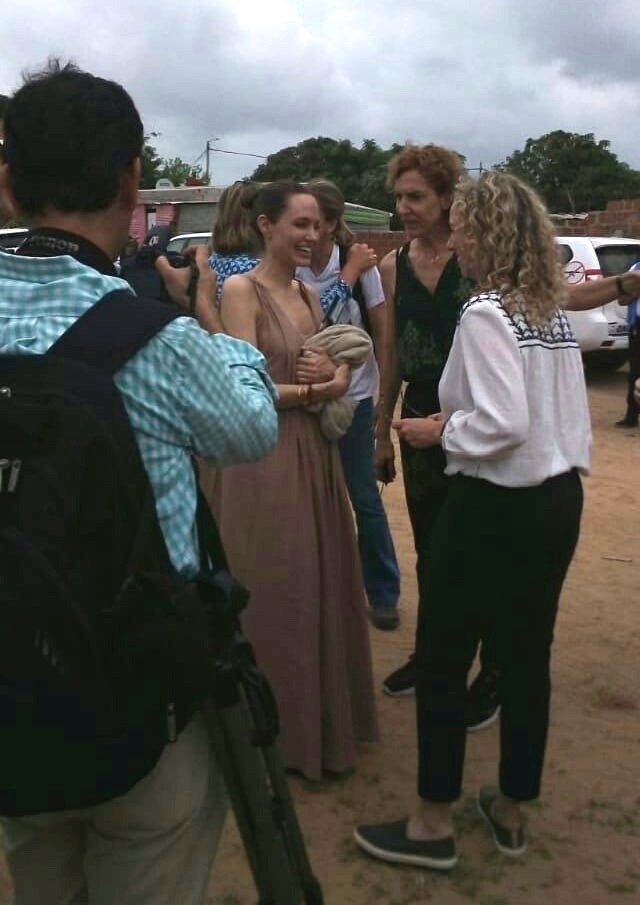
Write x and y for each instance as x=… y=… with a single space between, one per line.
x=185 y=392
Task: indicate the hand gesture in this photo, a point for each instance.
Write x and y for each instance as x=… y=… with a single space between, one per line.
x=341 y=381
x=631 y=285
x=361 y=257
x=314 y=366
x=420 y=432
x=385 y=460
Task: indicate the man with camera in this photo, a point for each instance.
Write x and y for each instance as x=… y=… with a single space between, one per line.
x=71 y=169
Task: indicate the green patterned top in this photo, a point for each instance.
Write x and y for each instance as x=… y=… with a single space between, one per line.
x=425 y=324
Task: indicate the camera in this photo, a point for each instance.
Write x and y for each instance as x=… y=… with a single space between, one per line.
x=139 y=269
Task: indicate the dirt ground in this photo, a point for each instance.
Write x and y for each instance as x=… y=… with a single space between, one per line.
x=585 y=831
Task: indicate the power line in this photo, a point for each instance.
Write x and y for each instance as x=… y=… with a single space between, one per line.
x=198 y=159
x=209 y=149
x=239 y=153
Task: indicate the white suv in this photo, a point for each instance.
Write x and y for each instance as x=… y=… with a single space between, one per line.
x=602 y=332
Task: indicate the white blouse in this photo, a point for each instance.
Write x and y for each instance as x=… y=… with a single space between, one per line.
x=513 y=397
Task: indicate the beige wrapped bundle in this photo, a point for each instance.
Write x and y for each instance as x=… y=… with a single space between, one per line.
x=344 y=344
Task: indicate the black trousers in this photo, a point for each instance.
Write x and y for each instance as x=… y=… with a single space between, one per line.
x=497 y=561
x=425 y=489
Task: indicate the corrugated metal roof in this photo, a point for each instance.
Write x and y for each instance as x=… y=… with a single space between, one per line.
x=359 y=215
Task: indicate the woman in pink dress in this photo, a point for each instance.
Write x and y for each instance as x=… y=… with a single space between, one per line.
x=286 y=521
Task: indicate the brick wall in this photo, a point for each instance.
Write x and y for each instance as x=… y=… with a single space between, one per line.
x=382 y=241
x=621 y=218
x=138 y=225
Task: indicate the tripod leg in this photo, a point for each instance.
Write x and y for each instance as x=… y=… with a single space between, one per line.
x=224 y=757
x=311 y=890
x=250 y=792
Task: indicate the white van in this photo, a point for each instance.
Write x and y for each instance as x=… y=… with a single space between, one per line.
x=602 y=333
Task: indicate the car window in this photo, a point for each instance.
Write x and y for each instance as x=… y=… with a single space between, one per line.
x=565 y=253
x=196 y=240
x=617 y=258
x=176 y=245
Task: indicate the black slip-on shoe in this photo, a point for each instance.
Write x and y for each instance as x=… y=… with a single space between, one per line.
x=389 y=842
x=385 y=618
x=401 y=681
x=509 y=842
x=482 y=707
x=627 y=422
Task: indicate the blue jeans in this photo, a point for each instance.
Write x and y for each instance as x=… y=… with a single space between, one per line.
x=377 y=554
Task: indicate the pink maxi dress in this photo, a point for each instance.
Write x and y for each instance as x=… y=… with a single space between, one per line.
x=288 y=531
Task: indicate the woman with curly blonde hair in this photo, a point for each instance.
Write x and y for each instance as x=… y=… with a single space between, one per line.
x=515 y=429
x=520 y=264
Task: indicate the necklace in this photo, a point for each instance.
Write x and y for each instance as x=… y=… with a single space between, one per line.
x=433 y=259
x=434 y=253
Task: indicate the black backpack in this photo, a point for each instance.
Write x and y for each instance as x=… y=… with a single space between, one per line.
x=356 y=291
x=105 y=651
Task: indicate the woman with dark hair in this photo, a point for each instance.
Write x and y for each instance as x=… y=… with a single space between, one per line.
x=237 y=247
x=514 y=425
x=286 y=523
x=335 y=248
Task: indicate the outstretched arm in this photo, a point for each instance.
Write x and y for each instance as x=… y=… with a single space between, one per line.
x=593 y=293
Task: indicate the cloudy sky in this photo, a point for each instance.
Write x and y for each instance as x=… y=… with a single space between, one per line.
x=258 y=75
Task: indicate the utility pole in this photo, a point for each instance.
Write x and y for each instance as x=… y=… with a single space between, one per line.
x=208 y=150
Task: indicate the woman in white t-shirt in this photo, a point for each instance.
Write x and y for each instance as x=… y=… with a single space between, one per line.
x=334 y=258
x=515 y=429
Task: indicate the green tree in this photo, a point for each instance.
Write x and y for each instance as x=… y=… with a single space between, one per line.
x=155 y=167
x=308 y=159
x=177 y=171
x=360 y=173
x=573 y=173
x=151 y=165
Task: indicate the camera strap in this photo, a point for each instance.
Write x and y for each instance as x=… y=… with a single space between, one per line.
x=110 y=332
x=49 y=242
